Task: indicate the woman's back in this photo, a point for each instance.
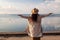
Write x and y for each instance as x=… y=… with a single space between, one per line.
x=35 y=27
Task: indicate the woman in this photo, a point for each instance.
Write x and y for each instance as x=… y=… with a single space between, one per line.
x=34 y=24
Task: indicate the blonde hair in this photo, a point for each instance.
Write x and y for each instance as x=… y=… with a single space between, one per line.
x=35 y=14
x=35 y=10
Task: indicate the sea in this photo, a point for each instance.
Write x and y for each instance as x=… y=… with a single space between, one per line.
x=14 y=23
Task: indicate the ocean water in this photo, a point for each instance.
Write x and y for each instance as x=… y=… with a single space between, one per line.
x=14 y=23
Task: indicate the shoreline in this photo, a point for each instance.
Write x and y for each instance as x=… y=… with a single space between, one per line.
x=53 y=32
x=19 y=34
x=26 y=37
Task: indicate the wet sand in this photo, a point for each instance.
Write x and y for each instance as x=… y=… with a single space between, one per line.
x=26 y=37
x=23 y=36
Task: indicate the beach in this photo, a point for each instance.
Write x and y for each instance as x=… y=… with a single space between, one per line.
x=26 y=37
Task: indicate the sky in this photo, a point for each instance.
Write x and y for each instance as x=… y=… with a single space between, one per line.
x=25 y=6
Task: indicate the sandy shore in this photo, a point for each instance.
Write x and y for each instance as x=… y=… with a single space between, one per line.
x=45 y=37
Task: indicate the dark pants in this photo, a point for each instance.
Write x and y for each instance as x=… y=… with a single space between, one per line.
x=36 y=38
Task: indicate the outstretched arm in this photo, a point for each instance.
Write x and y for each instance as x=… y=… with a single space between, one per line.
x=46 y=15
x=23 y=16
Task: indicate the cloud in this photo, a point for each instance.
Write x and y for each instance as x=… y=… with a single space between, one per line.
x=10 y=10
x=57 y=0
x=24 y=1
x=49 y=6
x=22 y=6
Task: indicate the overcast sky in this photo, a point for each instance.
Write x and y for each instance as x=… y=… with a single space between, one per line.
x=25 y=6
